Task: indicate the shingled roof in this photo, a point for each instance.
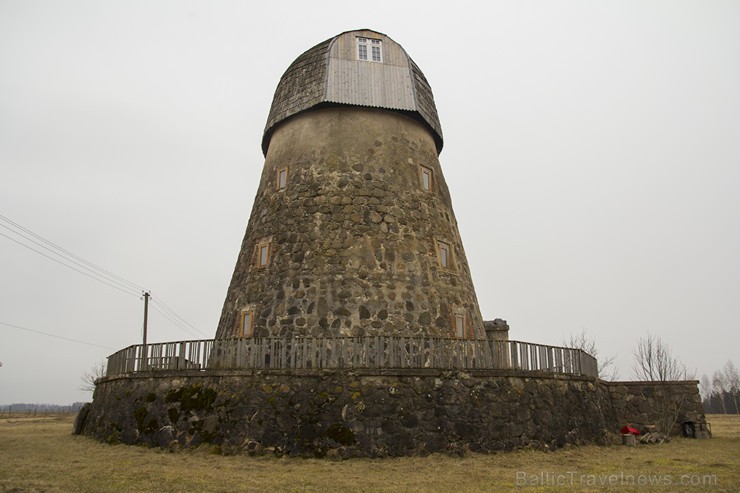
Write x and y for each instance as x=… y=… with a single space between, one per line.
x=331 y=74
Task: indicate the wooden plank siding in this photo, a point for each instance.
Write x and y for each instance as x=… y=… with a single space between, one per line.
x=389 y=84
x=331 y=73
x=371 y=352
x=369 y=84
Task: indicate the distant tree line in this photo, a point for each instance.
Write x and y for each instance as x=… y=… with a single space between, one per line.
x=721 y=394
x=40 y=408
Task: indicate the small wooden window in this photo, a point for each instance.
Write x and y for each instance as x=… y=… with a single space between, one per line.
x=460 y=325
x=444 y=254
x=263 y=253
x=246 y=324
x=427 y=178
x=282 y=178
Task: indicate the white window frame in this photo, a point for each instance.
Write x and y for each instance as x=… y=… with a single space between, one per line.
x=372 y=46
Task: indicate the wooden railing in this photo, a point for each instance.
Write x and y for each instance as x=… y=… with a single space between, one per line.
x=379 y=352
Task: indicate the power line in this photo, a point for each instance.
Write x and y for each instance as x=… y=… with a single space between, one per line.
x=175 y=322
x=159 y=301
x=56 y=336
x=67 y=253
x=94 y=271
x=70 y=267
x=67 y=256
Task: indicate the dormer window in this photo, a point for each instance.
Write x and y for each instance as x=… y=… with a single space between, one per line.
x=370 y=50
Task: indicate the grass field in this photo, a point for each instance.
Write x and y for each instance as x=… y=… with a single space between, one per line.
x=38 y=454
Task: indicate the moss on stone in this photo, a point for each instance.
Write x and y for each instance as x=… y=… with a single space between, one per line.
x=143 y=424
x=341 y=434
x=173 y=395
x=193 y=398
x=151 y=426
x=140 y=416
x=114 y=438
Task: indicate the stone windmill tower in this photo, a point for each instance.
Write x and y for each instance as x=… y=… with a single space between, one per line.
x=352 y=231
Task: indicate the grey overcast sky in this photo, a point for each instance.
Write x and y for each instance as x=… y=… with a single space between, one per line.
x=592 y=150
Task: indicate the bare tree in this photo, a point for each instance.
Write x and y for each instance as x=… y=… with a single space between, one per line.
x=720 y=388
x=88 y=379
x=732 y=382
x=654 y=361
x=705 y=388
x=606 y=366
x=722 y=392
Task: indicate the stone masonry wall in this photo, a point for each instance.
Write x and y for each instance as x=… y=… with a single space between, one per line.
x=351 y=413
x=660 y=406
x=353 y=237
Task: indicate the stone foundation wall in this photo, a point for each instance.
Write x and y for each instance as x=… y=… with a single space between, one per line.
x=661 y=406
x=366 y=414
x=351 y=413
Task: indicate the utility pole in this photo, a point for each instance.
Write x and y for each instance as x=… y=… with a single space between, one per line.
x=144 y=350
x=146 y=313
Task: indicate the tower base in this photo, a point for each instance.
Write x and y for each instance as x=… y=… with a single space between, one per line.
x=360 y=413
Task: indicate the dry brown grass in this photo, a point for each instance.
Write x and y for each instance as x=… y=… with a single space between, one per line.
x=40 y=455
x=725 y=425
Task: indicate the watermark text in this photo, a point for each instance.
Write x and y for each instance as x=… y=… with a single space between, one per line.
x=575 y=478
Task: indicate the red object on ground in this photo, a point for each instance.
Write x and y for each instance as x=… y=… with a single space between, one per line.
x=629 y=429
